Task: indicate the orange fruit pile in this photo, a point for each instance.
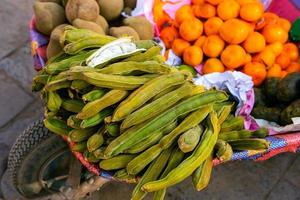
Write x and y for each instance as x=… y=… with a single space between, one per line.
x=232 y=35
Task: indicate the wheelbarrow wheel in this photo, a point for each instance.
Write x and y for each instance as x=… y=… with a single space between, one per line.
x=38 y=162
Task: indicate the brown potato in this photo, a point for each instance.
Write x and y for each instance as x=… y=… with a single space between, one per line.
x=57 y=32
x=53 y=49
x=103 y=23
x=142 y=26
x=111 y=9
x=124 y=31
x=48 y=15
x=82 y=9
x=80 y=23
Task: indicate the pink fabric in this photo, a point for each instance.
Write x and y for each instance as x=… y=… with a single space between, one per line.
x=289 y=9
x=172 y=5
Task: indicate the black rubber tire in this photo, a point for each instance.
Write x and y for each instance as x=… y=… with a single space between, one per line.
x=31 y=149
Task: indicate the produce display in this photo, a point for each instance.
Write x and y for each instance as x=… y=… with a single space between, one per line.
x=133 y=115
x=101 y=16
x=109 y=92
x=230 y=35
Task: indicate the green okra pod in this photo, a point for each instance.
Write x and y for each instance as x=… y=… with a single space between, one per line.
x=79 y=146
x=175 y=159
x=223 y=111
x=136 y=165
x=79 y=85
x=133 y=136
x=74 y=35
x=148 y=55
x=65 y=64
x=189 y=122
x=42 y=78
x=95 y=141
x=189 y=139
x=126 y=68
x=79 y=135
x=117 y=162
x=94 y=95
x=233 y=124
x=201 y=176
x=111 y=81
x=74 y=122
x=249 y=144
x=87 y=43
x=94 y=107
x=72 y=105
x=57 y=126
x=223 y=150
x=157 y=107
x=57 y=84
x=140 y=96
x=191 y=163
x=53 y=101
x=113 y=129
x=96 y=119
x=151 y=174
x=243 y=134
x=153 y=139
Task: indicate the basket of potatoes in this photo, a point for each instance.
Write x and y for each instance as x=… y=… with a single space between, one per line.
x=101 y=16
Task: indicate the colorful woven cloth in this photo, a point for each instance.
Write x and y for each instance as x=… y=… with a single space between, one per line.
x=278 y=144
x=289 y=142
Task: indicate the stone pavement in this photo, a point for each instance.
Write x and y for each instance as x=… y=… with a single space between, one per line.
x=277 y=178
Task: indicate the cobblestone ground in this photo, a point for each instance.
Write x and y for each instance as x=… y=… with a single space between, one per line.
x=277 y=178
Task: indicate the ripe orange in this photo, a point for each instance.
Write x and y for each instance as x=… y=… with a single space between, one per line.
x=179 y=45
x=213 y=46
x=184 y=13
x=212 y=25
x=283 y=74
x=213 y=65
x=251 y=11
x=275 y=47
x=247 y=59
x=242 y=2
x=267 y=57
x=192 y=56
x=204 y=10
x=200 y=41
x=292 y=50
x=234 y=31
x=233 y=56
x=275 y=33
x=251 y=26
x=214 y=2
x=257 y=71
x=254 y=43
x=285 y=24
x=228 y=9
x=274 y=71
x=283 y=60
x=268 y=18
x=168 y=35
x=294 y=67
x=198 y=2
x=190 y=30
